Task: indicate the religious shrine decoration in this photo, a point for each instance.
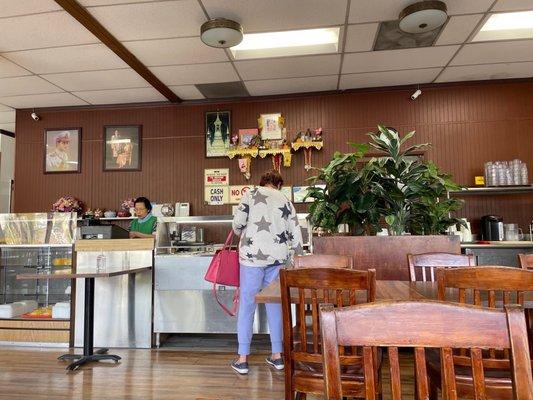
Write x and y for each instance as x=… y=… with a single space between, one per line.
x=244 y=147
x=308 y=141
x=274 y=140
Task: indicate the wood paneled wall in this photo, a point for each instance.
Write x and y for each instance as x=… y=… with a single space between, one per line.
x=467 y=124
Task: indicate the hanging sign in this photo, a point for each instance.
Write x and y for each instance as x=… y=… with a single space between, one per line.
x=216 y=195
x=216 y=177
x=236 y=193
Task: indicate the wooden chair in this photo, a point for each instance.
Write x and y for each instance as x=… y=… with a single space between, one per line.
x=525 y=261
x=421 y=325
x=430 y=261
x=489 y=286
x=323 y=261
x=302 y=344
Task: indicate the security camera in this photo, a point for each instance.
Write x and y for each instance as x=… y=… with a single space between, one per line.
x=35 y=117
x=416 y=94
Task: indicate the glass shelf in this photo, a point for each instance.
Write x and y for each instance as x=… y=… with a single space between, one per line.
x=492 y=190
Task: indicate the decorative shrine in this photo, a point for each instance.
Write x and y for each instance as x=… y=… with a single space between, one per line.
x=308 y=141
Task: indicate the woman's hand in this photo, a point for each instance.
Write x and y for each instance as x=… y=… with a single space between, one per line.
x=134 y=234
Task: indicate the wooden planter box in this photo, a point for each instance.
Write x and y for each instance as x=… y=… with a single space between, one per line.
x=386 y=254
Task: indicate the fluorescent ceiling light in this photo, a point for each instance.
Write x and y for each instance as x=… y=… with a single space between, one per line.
x=288 y=43
x=506 y=26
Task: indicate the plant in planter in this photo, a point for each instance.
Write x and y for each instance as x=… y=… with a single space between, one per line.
x=395 y=187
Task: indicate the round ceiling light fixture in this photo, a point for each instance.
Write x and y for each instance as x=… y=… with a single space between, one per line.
x=221 y=33
x=423 y=16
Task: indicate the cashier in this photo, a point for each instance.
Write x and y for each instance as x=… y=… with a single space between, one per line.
x=145 y=224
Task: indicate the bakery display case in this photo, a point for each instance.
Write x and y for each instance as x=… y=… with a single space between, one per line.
x=35 y=311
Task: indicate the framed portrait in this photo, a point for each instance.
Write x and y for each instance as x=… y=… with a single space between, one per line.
x=122 y=147
x=62 y=150
x=271 y=126
x=246 y=136
x=217 y=133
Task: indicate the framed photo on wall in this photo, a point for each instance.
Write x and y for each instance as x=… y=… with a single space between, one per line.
x=217 y=133
x=62 y=150
x=122 y=147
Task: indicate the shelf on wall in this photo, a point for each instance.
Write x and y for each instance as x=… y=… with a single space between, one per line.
x=492 y=190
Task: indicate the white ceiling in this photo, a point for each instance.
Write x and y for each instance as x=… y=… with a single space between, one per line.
x=48 y=59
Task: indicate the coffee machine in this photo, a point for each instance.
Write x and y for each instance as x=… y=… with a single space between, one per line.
x=492 y=228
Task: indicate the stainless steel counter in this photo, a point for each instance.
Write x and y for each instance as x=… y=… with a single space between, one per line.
x=501 y=253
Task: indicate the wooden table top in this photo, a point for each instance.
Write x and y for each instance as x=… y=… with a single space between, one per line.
x=85 y=275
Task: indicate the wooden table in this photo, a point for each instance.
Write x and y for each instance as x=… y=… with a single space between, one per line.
x=88 y=316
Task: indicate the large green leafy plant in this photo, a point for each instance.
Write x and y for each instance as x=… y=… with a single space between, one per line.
x=395 y=188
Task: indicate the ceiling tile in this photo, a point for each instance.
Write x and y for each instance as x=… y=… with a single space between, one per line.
x=487 y=71
x=66 y=59
x=276 y=15
x=157 y=20
x=43 y=30
x=187 y=92
x=387 y=10
x=360 y=37
x=92 y=3
x=513 y=5
x=289 y=67
x=175 y=51
x=389 y=60
x=8 y=127
x=494 y=52
x=192 y=74
x=98 y=80
x=5 y=108
x=7 y=117
x=9 y=69
x=458 y=29
x=389 y=78
x=119 y=96
x=25 y=85
x=10 y=8
x=295 y=85
x=42 y=100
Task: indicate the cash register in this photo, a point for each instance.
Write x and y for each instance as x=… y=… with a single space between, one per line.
x=94 y=230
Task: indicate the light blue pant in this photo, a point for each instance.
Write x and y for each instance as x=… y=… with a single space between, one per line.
x=252 y=280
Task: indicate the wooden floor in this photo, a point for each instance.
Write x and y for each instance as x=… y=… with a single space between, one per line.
x=144 y=374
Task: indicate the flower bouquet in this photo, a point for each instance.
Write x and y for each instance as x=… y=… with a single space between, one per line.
x=68 y=204
x=127 y=207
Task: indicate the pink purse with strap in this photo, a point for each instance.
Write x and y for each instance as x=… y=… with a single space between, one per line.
x=224 y=270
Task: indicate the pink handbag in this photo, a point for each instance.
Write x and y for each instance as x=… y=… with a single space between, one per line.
x=224 y=270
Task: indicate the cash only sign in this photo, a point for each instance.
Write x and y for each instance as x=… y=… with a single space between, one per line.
x=216 y=186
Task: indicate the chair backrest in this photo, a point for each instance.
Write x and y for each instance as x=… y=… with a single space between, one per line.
x=323 y=261
x=308 y=287
x=423 y=265
x=525 y=261
x=420 y=325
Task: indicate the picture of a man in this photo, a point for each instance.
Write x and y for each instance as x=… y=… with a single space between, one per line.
x=62 y=151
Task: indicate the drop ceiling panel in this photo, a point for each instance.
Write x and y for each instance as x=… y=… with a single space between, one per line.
x=8 y=127
x=387 y=10
x=119 y=96
x=43 y=30
x=275 y=15
x=289 y=67
x=487 y=71
x=7 y=117
x=513 y=5
x=398 y=59
x=192 y=74
x=91 y=3
x=26 y=85
x=9 y=69
x=11 y=8
x=5 y=108
x=157 y=20
x=494 y=52
x=42 y=100
x=389 y=78
x=66 y=59
x=175 y=51
x=97 y=80
x=458 y=29
x=360 y=37
x=296 y=85
x=187 y=92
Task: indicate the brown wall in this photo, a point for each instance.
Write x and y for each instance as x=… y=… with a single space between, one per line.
x=467 y=124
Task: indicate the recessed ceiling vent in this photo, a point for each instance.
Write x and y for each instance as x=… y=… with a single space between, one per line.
x=223 y=90
x=423 y=16
x=391 y=37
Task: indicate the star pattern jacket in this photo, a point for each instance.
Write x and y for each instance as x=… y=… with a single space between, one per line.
x=269 y=229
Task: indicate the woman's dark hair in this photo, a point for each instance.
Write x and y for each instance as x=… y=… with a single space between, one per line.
x=271 y=177
x=145 y=201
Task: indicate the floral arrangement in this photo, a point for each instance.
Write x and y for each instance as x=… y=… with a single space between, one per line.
x=127 y=204
x=67 y=204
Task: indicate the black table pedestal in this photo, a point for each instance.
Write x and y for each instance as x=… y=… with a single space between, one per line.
x=88 y=335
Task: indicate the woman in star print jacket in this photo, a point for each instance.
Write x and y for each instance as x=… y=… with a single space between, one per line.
x=270 y=235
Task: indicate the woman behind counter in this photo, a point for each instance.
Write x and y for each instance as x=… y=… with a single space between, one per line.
x=145 y=224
